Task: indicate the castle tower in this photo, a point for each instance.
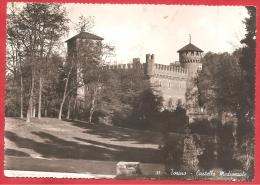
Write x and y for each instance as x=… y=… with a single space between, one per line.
x=190 y=58
x=78 y=44
x=78 y=48
x=149 y=65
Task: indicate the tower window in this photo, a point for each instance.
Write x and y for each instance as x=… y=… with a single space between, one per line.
x=169 y=84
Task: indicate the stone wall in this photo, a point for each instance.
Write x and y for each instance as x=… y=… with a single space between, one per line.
x=169 y=80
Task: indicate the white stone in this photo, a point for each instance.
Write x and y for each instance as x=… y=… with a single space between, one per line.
x=128 y=168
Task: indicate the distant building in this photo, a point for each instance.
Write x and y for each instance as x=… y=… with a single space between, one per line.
x=79 y=47
x=172 y=81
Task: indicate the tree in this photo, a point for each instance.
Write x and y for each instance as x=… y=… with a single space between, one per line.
x=15 y=59
x=68 y=69
x=85 y=24
x=223 y=90
x=248 y=53
x=219 y=84
x=245 y=128
x=38 y=26
x=174 y=148
x=247 y=63
x=53 y=84
x=120 y=95
x=84 y=70
x=147 y=109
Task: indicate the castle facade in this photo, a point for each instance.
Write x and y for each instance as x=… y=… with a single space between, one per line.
x=172 y=81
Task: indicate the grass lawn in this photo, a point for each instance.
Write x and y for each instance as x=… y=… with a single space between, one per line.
x=54 y=139
x=53 y=145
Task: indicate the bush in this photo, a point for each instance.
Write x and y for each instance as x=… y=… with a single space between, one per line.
x=226 y=148
x=207 y=160
x=172 y=153
x=205 y=127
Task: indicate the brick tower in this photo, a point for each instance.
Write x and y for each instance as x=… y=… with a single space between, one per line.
x=190 y=58
x=81 y=48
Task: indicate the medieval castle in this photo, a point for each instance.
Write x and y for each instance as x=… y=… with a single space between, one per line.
x=172 y=80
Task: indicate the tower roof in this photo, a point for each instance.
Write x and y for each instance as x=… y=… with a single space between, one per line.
x=190 y=47
x=85 y=35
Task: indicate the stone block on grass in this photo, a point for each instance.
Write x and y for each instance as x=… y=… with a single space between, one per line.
x=128 y=169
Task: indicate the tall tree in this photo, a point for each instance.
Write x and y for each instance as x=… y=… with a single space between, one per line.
x=75 y=66
x=247 y=63
x=119 y=95
x=219 y=84
x=247 y=60
x=94 y=77
x=15 y=59
x=245 y=128
x=39 y=26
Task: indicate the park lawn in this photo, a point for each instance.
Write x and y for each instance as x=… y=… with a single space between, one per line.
x=50 y=138
x=50 y=144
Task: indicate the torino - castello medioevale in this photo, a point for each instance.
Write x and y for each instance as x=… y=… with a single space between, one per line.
x=172 y=80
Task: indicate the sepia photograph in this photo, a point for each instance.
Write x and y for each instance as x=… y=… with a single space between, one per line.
x=130 y=91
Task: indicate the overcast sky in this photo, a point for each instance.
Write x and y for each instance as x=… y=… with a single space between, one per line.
x=135 y=30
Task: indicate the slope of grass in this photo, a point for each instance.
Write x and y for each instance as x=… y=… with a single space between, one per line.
x=52 y=138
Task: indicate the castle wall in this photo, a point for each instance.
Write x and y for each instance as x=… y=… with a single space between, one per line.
x=171 y=89
x=171 y=82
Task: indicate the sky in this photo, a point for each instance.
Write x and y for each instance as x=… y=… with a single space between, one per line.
x=136 y=30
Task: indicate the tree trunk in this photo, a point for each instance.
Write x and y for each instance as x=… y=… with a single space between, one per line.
x=74 y=108
x=92 y=105
x=46 y=109
x=68 y=112
x=34 y=110
x=40 y=98
x=30 y=107
x=61 y=107
x=221 y=116
x=21 y=97
x=45 y=113
x=63 y=98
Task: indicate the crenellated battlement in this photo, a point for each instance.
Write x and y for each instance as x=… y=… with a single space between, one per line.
x=170 y=68
x=155 y=69
x=160 y=70
x=125 y=66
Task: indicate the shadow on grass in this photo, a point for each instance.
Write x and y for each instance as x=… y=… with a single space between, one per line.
x=12 y=152
x=54 y=147
x=119 y=133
